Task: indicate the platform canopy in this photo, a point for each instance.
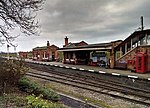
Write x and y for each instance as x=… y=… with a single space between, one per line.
x=89 y=47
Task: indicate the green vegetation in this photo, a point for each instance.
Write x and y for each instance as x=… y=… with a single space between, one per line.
x=38 y=102
x=32 y=87
x=16 y=89
x=62 y=89
x=11 y=72
x=13 y=101
x=10 y=54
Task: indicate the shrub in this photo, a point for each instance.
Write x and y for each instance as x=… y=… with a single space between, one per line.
x=11 y=72
x=32 y=87
x=50 y=94
x=38 y=102
x=26 y=85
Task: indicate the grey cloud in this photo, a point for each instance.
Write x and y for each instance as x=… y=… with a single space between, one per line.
x=93 y=21
x=73 y=15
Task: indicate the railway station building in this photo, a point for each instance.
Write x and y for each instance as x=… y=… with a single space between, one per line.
x=25 y=55
x=88 y=54
x=46 y=53
x=132 y=53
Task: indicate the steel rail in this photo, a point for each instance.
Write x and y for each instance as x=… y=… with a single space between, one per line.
x=86 y=88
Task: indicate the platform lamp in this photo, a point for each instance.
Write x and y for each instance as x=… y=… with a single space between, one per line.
x=8 y=52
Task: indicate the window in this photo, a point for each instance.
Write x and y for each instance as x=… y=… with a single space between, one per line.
x=148 y=40
x=142 y=41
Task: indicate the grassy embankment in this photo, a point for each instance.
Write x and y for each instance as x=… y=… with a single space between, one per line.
x=18 y=91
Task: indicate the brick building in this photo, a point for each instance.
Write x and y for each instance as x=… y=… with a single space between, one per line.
x=46 y=53
x=84 y=53
x=126 y=54
x=25 y=55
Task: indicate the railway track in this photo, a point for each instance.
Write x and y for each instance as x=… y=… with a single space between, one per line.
x=125 y=92
x=95 y=80
x=115 y=80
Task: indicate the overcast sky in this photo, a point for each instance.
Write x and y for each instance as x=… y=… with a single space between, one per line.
x=94 y=21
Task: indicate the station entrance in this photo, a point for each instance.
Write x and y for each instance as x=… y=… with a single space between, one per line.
x=77 y=57
x=94 y=58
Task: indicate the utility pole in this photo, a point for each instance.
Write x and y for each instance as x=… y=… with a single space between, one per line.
x=142 y=27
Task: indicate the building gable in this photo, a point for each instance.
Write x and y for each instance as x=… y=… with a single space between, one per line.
x=82 y=43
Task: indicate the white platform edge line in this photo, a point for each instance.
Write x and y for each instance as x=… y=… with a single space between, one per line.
x=115 y=74
x=91 y=70
x=131 y=76
x=66 y=67
x=102 y=72
x=73 y=68
x=61 y=66
x=81 y=69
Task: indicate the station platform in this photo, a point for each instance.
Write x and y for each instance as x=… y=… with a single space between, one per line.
x=115 y=72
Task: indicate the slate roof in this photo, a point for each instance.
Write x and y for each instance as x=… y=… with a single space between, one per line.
x=88 y=47
x=44 y=47
x=71 y=45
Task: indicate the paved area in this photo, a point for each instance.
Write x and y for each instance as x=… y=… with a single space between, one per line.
x=116 y=72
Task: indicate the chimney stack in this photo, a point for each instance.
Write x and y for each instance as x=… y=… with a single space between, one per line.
x=66 y=41
x=48 y=43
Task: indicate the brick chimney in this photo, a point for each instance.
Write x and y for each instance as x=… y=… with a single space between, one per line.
x=48 y=43
x=66 y=41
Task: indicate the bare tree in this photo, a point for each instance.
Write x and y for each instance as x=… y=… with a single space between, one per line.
x=18 y=14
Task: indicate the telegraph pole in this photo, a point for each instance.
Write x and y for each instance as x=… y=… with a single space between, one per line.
x=142 y=27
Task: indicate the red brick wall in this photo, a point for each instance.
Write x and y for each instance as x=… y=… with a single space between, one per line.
x=148 y=53
x=23 y=54
x=48 y=52
x=132 y=56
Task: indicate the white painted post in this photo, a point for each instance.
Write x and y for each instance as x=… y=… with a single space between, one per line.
x=146 y=37
x=125 y=48
x=44 y=54
x=120 y=51
x=116 y=56
x=131 y=44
